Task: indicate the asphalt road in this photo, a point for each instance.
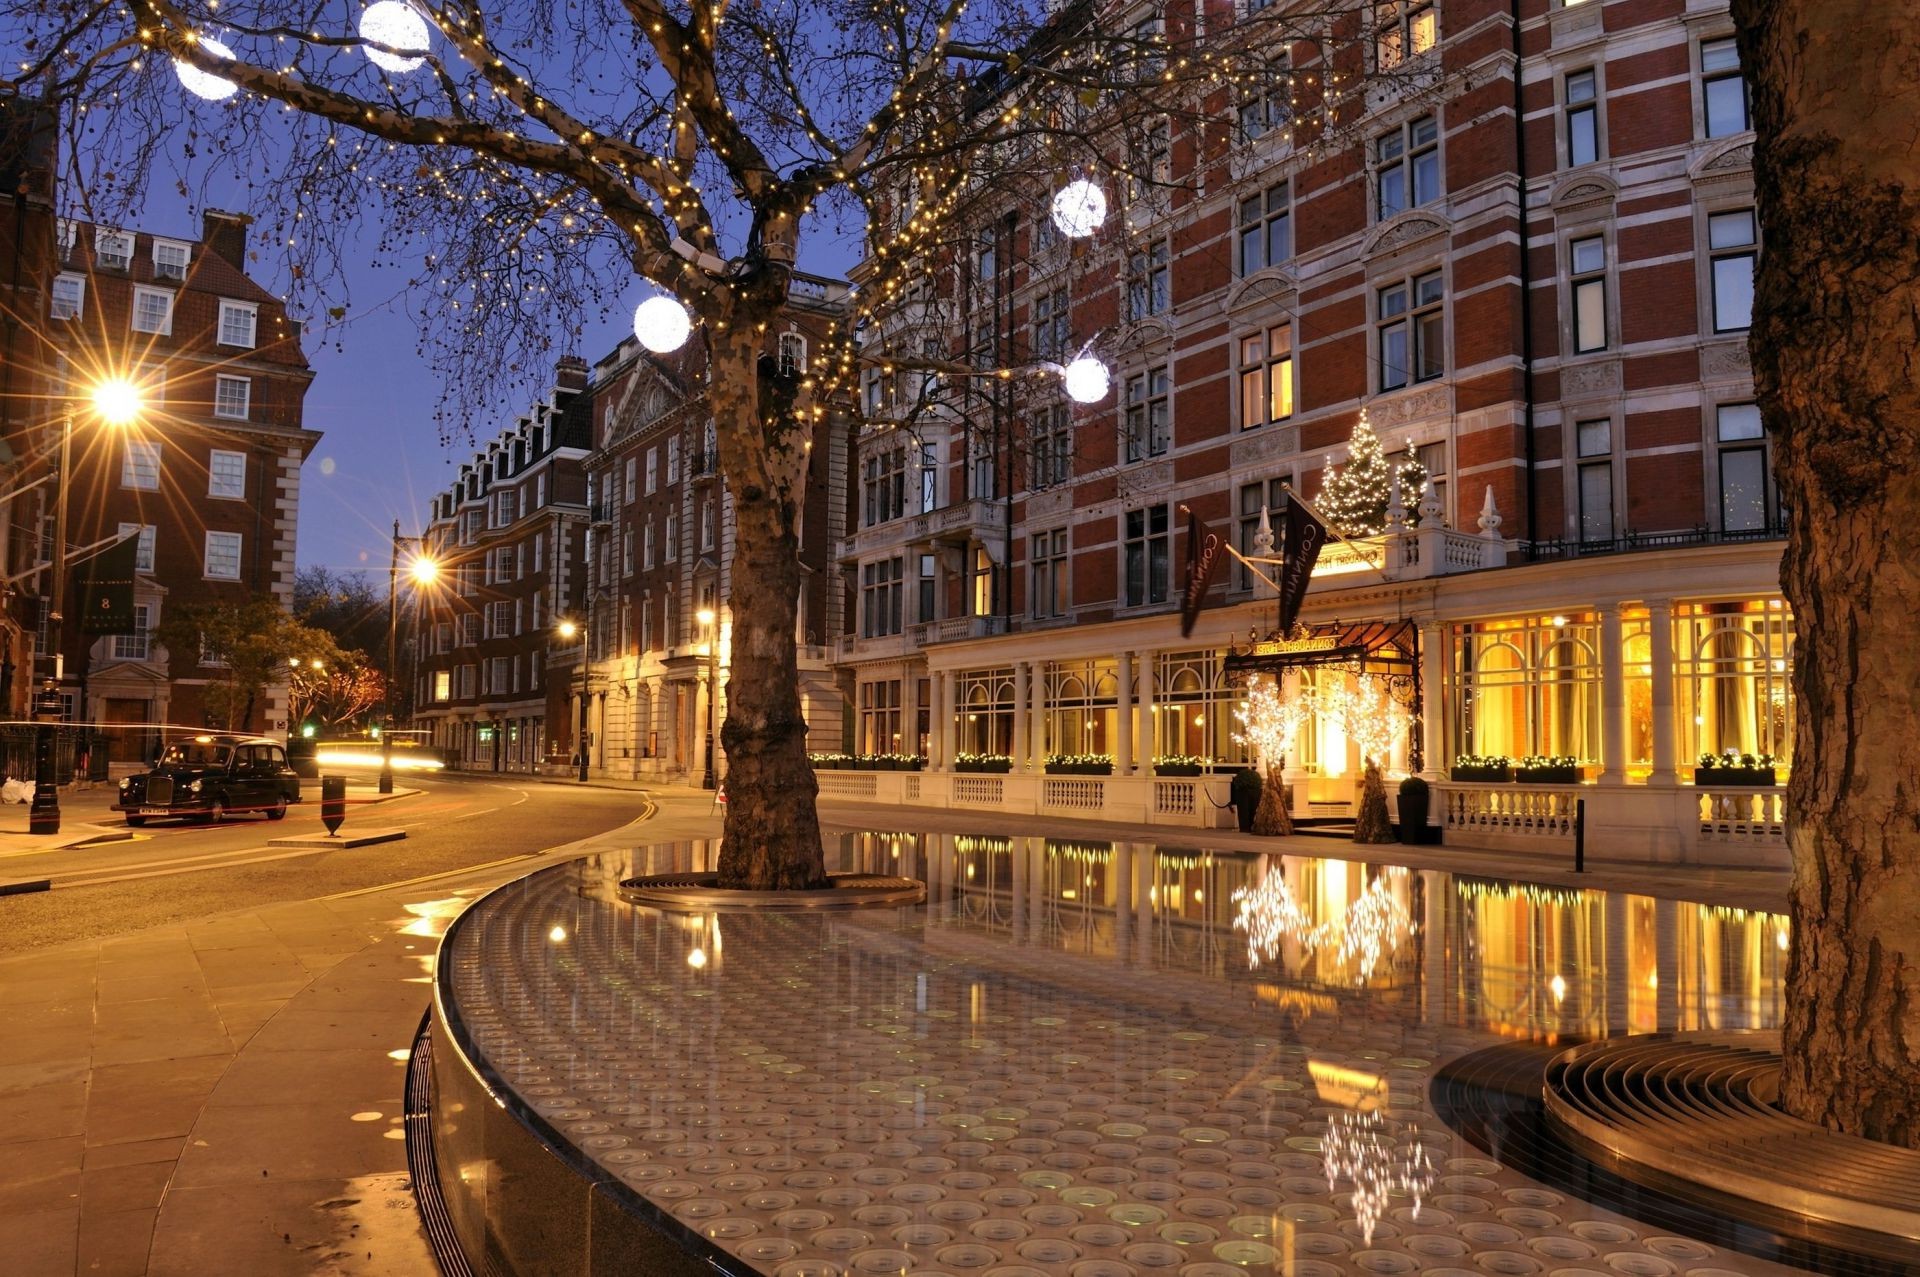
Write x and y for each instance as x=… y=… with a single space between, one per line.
x=173 y=872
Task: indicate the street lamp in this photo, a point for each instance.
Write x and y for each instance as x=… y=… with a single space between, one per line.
x=117 y=402
x=567 y=630
x=422 y=571
x=710 y=620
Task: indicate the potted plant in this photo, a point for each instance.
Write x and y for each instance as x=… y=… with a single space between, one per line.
x=1483 y=767
x=982 y=763
x=912 y=762
x=1548 y=769
x=1079 y=764
x=1178 y=765
x=1245 y=796
x=1415 y=796
x=1736 y=769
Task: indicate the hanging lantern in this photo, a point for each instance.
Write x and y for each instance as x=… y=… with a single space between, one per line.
x=662 y=324
x=398 y=26
x=1079 y=208
x=210 y=88
x=1087 y=380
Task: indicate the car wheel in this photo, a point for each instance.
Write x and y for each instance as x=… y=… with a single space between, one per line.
x=220 y=810
x=278 y=811
x=134 y=822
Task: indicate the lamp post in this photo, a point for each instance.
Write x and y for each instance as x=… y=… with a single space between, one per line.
x=567 y=630
x=118 y=403
x=710 y=620
x=423 y=570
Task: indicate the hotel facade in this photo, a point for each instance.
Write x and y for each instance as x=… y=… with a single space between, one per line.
x=1534 y=276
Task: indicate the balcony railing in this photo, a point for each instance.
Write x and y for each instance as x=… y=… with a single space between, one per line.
x=977 y=519
x=955 y=629
x=1560 y=548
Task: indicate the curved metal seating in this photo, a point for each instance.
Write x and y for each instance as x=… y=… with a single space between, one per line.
x=1703 y=1108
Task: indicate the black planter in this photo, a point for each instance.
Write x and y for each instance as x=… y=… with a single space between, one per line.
x=1547 y=775
x=1413 y=817
x=1176 y=769
x=997 y=766
x=1758 y=777
x=1079 y=769
x=1498 y=775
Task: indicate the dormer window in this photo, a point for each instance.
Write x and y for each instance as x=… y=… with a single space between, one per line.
x=170 y=258
x=113 y=249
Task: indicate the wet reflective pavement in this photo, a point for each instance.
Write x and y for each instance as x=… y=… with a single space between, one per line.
x=1084 y=1058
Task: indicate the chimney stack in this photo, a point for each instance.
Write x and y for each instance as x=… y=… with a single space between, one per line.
x=226 y=234
x=570 y=373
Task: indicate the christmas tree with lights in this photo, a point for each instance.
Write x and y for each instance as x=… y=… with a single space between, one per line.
x=1355 y=497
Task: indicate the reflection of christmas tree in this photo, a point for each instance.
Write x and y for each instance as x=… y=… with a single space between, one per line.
x=1355 y=496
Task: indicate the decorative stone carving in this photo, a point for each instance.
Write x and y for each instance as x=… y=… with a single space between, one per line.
x=1727 y=360
x=1157 y=477
x=1275 y=285
x=1408 y=229
x=1265 y=445
x=1737 y=156
x=1589 y=379
x=1044 y=505
x=1401 y=409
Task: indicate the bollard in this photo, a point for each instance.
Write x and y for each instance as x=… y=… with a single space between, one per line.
x=1579 y=835
x=333 y=802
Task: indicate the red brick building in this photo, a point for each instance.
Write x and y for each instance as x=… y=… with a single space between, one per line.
x=207 y=477
x=509 y=537
x=1533 y=274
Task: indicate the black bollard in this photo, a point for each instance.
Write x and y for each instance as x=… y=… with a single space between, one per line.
x=333 y=802
x=1579 y=835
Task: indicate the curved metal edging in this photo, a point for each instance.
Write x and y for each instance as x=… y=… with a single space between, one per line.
x=696 y=893
x=702 y=1257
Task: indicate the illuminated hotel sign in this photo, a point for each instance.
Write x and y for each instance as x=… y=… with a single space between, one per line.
x=1291 y=647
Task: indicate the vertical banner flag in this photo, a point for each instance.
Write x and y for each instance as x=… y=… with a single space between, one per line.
x=1302 y=535
x=106 y=590
x=1204 y=553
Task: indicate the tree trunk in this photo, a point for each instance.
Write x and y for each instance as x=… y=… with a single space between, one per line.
x=772 y=834
x=1271 y=817
x=1836 y=342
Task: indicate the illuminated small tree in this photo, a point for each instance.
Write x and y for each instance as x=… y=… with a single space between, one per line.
x=1269 y=726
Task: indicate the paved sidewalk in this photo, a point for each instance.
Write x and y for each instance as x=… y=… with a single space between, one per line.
x=224 y=1096
x=87 y=816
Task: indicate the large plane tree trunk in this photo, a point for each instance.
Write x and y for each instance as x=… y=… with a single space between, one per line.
x=772 y=836
x=1836 y=345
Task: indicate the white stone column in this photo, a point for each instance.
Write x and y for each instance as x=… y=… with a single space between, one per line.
x=1037 y=711
x=1123 y=759
x=1613 y=697
x=909 y=742
x=1022 y=717
x=949 y=715
x=1433 y=700
x=1144 y=744
x=1660 y=653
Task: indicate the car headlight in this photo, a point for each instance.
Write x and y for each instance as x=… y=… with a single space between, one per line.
x=194 y=786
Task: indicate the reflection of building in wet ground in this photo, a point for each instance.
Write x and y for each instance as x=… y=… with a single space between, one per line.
x=1067 y=1057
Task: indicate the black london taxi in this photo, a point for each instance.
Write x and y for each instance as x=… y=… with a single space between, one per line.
x=203 y=778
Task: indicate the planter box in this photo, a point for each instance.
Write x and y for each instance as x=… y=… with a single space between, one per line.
x=1498 y=775
x=1176 y=769
x=999 y=765
x=1079 y=769
x=1547 y=775
x=1709 y=777
x=913 y=766
x=830 y=765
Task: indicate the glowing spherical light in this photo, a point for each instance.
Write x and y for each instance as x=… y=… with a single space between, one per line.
x=197 y=82
x=662 y=324
x=397 y=26
x=1087 y=380
x=1079 y=208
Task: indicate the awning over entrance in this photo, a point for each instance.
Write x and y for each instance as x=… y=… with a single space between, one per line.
x=1388 y=646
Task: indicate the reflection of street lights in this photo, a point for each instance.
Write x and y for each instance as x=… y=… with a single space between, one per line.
x=423 y=571
x=710 y=620
x=117 y=402
x=567 y=630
